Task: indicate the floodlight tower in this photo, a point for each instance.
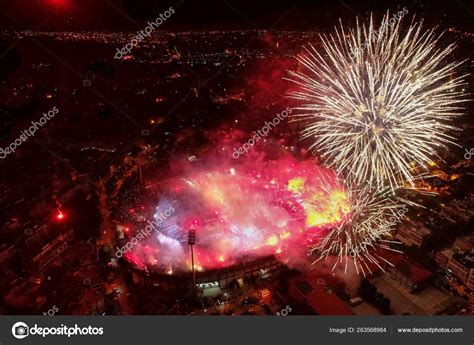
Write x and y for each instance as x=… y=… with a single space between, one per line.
x=191 y=242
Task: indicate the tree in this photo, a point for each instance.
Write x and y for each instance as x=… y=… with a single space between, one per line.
x=386 y=303
x=367 y=290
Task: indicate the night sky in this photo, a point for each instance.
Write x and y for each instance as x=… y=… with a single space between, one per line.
x=52 y=15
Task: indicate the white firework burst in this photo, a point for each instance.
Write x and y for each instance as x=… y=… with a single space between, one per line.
x=378 y=104
x=368 y=225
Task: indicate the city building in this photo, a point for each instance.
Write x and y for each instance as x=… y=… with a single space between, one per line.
x=7 y=258
x=313 y=292
x=409 y=274
x=442 y=257
x=465 y=243
x=461 y=265
x=459 y=260
x=414 y=234
x=51 y=251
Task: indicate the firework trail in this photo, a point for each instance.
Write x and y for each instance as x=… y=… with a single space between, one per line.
x=367 y=226
x=378 y=115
